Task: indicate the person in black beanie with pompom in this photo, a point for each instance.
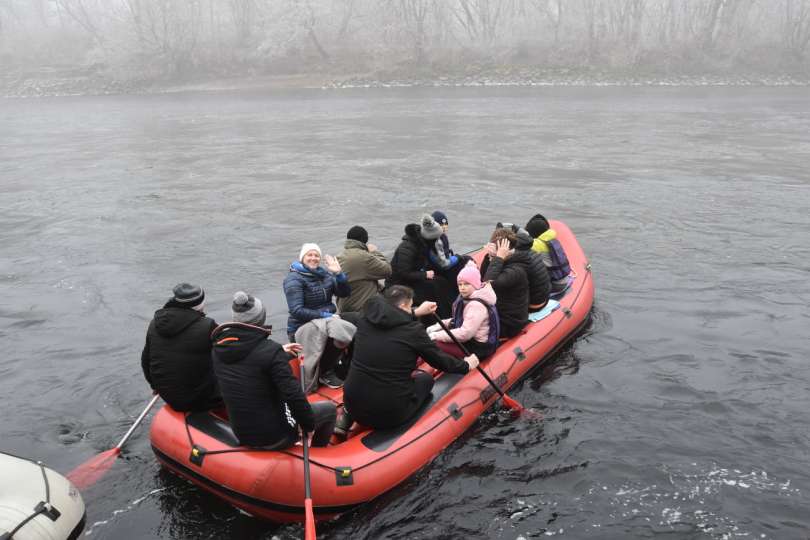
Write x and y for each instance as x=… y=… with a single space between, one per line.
x=176 y=359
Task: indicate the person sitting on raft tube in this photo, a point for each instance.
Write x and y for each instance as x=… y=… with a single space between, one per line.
x=176 y=358
x=381 y=390
x=508 y=272
x=552 y=252
x=539 y=281
x=475 y=319
x=263 y=398
x=411 y=266
x=309 y=288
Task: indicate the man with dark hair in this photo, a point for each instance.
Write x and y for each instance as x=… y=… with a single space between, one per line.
x=380 y=391
x=364 y=266
x=508 y=272
x=176 y=359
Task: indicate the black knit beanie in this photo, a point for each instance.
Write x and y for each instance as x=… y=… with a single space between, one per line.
x=537 y=225
x=357 y=233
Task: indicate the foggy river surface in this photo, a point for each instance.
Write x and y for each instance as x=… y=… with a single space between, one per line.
x=682 y=412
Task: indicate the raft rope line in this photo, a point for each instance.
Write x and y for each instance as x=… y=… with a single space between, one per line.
x=40 y=508
x=415 y=439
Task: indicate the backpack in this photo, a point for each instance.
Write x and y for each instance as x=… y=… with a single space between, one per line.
x=559 y=268
x=494 y=320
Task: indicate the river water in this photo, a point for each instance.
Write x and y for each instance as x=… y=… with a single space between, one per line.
x=681 y=412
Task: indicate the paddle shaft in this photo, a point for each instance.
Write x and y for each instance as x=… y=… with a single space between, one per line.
x=467 y=353
x=309 y=524
x=137 y=421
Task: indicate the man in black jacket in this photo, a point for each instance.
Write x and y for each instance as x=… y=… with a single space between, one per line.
x=263 y=398
x=380 y=391
x=508 y=272
x=176 y=359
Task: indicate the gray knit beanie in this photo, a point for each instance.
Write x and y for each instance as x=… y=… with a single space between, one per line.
x=430 y=229
x=247 y=309
x=188 y=295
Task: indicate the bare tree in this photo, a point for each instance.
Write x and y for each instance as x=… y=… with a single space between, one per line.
x=796 y=26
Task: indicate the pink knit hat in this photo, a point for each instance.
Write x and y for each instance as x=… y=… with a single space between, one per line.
x=471 y=275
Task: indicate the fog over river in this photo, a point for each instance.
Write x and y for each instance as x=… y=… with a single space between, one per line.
x=680 y=412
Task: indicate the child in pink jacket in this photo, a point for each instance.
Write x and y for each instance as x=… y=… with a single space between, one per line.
x=471 y=323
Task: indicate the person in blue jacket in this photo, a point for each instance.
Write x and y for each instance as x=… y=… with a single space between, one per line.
x=309 y=288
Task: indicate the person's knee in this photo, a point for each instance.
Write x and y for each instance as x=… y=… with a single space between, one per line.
x=324 y=411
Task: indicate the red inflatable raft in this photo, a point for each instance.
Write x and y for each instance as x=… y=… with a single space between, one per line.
x=270 y=484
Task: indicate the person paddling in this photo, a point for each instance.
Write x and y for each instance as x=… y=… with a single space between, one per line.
x=381 y=390
x=264 y=400
x=475 y=319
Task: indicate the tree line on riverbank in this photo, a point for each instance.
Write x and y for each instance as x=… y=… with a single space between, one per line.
x=176 y=40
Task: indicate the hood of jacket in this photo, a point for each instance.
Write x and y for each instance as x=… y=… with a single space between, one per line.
x=382 y=314
x=413 y=232
x=485 y=293
x=235 y=341
x=524 y=240
x=355 y=244
x=299 y=268
x=171 y=320
x=520 y=257
x=540 y=242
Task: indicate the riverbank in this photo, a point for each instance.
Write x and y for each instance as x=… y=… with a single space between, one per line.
x=50 y=81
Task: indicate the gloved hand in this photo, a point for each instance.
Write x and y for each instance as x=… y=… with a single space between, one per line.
x=326 y=314
x=453 y=260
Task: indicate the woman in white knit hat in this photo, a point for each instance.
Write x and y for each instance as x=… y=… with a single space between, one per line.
x=309 y=288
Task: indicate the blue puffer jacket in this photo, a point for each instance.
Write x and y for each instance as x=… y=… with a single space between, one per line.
x=309 y=294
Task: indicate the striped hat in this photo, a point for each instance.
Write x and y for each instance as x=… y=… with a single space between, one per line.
x=247 y=309
x=188 y=295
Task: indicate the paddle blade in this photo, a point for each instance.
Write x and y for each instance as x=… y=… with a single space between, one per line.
x=89 y=472
x=309 y=525
x=512 y=404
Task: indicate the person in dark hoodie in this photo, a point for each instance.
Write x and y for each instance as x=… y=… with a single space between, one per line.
x=265 y=401
x=176 y=359
x=507 y=269
x=380 y=391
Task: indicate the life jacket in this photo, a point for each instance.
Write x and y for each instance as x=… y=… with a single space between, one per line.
x=559 y=268
x=494 y=321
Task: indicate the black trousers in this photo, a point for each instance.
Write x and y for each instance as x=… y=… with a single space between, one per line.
x=325 y=416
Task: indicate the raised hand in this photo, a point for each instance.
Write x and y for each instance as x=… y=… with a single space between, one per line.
x=502 y=249
x=332 y=264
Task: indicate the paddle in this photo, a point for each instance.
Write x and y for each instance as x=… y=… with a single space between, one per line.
x=309 y=524
x=511 y=403
x=89 y=472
